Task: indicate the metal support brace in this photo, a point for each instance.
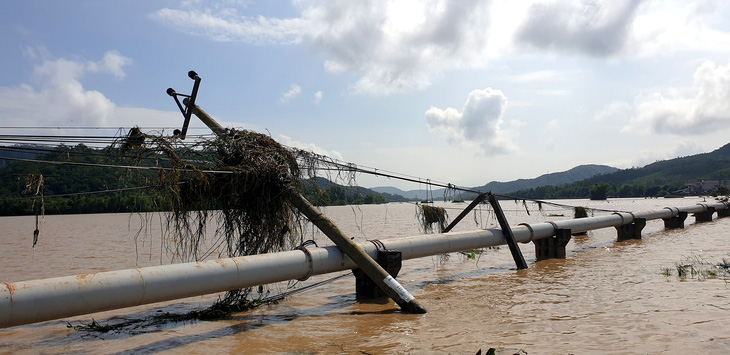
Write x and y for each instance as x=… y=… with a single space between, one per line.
x=705 y=216
x=631 y=230
x=676 y=221
x=479 y=199
x=389 y=259
x=553 y=247
x=507 y=233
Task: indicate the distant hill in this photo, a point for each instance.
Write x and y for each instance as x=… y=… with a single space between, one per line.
x=578 y=173
x=355 y=191
x=661 y=178
x=18 y=151
x=714 y=165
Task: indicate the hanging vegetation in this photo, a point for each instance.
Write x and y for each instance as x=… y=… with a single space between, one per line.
x=430 y=215
x=34 y=187
x=239 y=182
x=580 y=212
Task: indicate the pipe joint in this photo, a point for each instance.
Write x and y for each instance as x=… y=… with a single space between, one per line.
x=532 y=231
x=674 y=210
x=623 y=221
x=555 y=226
x=310 y=260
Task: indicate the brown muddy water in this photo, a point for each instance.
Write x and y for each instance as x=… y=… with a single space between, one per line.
x=605 y=297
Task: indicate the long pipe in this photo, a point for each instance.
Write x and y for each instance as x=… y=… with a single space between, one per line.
x=26 y=302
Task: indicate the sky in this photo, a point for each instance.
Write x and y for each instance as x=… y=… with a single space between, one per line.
x=457 y=91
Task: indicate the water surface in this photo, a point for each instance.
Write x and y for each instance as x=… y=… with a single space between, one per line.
x=605 y=297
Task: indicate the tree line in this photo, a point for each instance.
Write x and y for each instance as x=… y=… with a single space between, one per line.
x=71 y=189
x=597 y=191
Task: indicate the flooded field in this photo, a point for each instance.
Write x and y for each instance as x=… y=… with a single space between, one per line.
x=605 y=297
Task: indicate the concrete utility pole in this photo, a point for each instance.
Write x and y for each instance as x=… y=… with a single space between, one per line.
x=372 y=269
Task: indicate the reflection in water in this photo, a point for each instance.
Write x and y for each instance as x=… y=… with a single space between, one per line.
x=604 y=297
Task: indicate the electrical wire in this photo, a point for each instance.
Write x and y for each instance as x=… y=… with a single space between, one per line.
x=334 y=164
x=55 y=162
x=77 y=193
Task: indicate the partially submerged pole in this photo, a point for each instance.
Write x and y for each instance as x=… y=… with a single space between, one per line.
x=377 y=274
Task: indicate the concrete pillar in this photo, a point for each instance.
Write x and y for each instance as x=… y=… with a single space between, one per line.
x=631 y=230
x=676 y=221
x=705 y=216
x=553 y=247
x=391 y=260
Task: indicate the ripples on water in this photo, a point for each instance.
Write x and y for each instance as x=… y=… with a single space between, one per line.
x=605 y=297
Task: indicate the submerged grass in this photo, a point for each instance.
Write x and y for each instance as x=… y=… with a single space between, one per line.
x=698 y=268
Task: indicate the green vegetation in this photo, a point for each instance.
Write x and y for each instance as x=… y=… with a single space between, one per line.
x=599 y=191
x=72 y=189
x=586 y=189
x=700 y=269
x=338 y=195
x=658 y=179
x=70 y=180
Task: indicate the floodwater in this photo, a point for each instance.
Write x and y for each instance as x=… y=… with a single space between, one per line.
x=605 y=297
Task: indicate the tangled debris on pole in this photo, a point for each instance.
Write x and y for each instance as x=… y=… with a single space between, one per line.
x=239 y=182
x=430 y=215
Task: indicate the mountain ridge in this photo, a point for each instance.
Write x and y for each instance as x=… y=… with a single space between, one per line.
x=578 y=173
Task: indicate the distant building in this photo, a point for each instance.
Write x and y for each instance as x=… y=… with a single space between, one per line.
x=703 y=187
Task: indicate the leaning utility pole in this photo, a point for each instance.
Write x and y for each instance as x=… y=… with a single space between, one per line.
x=372 y=269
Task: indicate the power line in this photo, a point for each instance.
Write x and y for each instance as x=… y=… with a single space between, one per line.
x=337 y=165
x=94 y=128
x=78 y=193
x=54 y=162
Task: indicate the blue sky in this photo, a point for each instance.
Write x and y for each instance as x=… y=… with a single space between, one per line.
x=462 y=91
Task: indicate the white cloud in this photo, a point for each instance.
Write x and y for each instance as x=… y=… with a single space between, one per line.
x=403 y=45
x=540 y=75
x=394 y=46
x=318 y=97
x=61 y=98
x=398 y=46
x=288 y=141
x=663 y=28
x=225 y=24
x=293 y=92
x=629 y=28
x=677 y=149
x=617 y=111
x=553 y=124
x=112 y=63
x=596 y=28
x=556 y=92
x=702 y=109
x=479 y=124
